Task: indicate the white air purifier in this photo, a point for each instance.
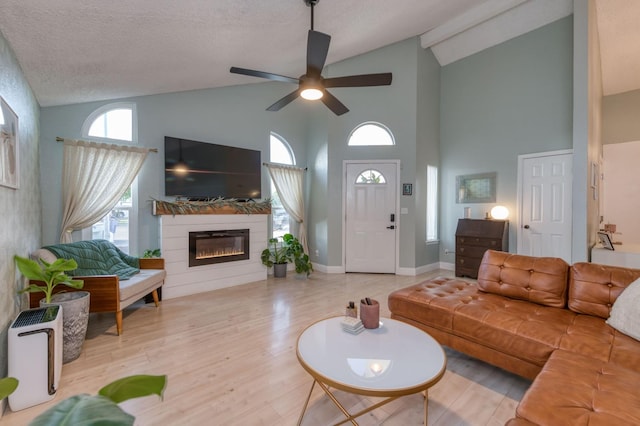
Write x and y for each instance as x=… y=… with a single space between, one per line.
x=35 y=356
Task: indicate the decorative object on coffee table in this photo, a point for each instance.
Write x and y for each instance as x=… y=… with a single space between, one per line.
x=370 y=313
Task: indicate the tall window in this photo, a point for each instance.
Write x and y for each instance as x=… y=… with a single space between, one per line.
x=432 y=204
x=371 y=134
x=116 y=123
x=279 y=152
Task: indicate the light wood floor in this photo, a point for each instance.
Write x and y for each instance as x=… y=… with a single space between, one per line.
x=230 y=359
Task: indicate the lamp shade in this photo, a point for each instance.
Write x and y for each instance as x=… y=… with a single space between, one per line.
x=499 y=212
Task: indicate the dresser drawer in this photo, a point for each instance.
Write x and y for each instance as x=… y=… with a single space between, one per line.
x=488 y=243
x=466 y=266
x=471 y=251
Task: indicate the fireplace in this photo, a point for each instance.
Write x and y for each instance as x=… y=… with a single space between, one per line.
x=207 y=247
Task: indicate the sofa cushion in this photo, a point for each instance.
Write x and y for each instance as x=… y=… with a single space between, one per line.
x=625 y=313
x=520 y=329
x=541 y=280
x=573 y=389
x=594 y=288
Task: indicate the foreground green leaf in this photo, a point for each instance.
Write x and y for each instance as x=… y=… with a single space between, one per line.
x=84 y=410
x=7 y=386
x=134 y=387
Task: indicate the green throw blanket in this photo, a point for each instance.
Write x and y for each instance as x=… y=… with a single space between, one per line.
x=97 y=257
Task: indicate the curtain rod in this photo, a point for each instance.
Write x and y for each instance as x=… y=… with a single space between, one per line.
x=284 y=165
x=59 y=139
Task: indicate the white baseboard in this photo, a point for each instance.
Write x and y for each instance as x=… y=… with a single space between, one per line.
x=401 y=271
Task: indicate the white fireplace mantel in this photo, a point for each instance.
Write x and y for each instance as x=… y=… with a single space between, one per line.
x=183 y=280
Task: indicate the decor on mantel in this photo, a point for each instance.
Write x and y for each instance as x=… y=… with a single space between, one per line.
x=213 y=206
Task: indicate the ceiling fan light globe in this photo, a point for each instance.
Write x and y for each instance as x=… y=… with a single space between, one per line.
x=311 y=94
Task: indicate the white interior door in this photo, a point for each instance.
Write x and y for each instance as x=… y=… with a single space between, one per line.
x=545 y=208
x=370 y=217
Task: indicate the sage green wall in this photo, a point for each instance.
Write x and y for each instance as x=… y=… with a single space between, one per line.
x=394 y=106
x=229 y=116
x=19 y=208
x=512 y=99
x=427 y=150
x=621 y=117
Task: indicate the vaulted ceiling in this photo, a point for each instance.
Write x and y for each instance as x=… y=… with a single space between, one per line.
x=78 y=51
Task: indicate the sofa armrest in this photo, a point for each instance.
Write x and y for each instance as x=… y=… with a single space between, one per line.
x=104 y=289
x=151 y=263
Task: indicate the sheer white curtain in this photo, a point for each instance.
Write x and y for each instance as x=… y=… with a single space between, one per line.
x=94 y=177
x=288 y=181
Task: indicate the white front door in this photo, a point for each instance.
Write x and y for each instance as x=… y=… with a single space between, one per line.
x=371 y=217
x=545 y=208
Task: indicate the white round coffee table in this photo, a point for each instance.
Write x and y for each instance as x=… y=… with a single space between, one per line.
x=394 y=360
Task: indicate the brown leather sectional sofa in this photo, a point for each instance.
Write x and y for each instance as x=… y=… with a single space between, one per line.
x=544 y=320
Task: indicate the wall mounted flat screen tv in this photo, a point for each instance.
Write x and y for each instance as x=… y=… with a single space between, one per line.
x=200 y=170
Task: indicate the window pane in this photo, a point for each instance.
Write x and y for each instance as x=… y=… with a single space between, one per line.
x=114 y=227
x=371 y=177
x=370 y=134
x=432 y=203
x=279 y=152
x=113 y=124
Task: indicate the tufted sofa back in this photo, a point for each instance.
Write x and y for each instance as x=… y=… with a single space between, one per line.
x=542 y=280
x=594 y=288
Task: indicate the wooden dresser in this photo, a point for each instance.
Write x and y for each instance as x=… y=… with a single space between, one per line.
x=473 y=238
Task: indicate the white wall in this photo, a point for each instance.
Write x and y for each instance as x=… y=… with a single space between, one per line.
x=621 y=189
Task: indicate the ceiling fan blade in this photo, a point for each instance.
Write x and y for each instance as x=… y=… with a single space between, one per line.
x=362 y=80
x=334 y=104
x=262 y=74
x=317 y=49
x=284 y=101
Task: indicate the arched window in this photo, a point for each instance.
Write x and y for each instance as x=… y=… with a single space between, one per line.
x=279 y=152
x=115 y=123
x=371 y=134
x=371 y=177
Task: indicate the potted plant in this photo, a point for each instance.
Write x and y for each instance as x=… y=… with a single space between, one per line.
x=44 y=277
x=103 y=408
x=275 y=255
x=296 y=254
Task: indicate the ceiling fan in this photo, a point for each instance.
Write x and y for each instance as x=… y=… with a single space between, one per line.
x=312 y=85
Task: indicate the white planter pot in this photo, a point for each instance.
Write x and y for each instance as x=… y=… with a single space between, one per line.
x=75 y=318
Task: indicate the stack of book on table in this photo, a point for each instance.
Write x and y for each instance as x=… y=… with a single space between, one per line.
x=351 y=325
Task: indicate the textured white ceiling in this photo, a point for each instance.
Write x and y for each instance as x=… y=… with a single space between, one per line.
x=78 y=51
x=619 y=34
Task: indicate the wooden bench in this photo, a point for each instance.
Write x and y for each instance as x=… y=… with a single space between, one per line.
x=109 y=294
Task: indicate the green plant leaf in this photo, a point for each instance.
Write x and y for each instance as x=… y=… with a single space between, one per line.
x=84 y=410
x=7 y=386
x=30 y=268
x=134 y=387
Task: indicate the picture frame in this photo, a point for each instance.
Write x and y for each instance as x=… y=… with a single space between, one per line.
x=605 y=240
x=407 y=189
x=9 y=170
x=477 y=188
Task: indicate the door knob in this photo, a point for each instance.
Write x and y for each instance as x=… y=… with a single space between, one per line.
x=526 y=227
x=391 y=227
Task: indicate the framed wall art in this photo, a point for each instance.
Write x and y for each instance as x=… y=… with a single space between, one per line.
x=478 y=188
x=8 y=146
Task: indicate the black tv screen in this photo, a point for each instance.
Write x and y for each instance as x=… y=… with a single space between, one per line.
x=201 y=170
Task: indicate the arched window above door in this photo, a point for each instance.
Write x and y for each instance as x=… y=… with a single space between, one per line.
x=371 y=176
x=115 y=121
x=371 y=133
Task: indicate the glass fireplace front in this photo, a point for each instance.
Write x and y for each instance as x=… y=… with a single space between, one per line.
x=207 y=247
